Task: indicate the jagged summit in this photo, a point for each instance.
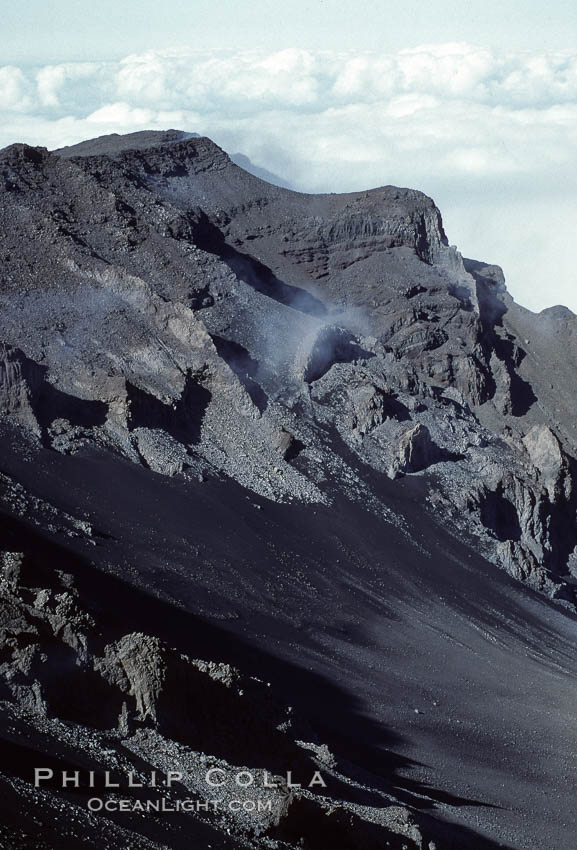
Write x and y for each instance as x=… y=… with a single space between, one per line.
x=115 y=143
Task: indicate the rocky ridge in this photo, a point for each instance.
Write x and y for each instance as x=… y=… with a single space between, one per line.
x=163 y=303
x=163 y=306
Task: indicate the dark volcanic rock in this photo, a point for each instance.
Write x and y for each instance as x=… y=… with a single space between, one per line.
x=415 y=452
x=163 y=308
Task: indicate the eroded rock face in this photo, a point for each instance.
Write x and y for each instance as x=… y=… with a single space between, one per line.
x=165 y=305
x=549 y=460
x=368 y=408
x=360 y=228
x=17 y=386
x=38 y=623
x=414 y=452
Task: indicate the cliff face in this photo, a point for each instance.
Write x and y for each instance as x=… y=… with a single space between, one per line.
x=162 y=302
x=163 y=306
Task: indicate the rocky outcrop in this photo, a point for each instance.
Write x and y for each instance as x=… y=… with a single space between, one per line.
x=359 y=230
x=18 y=386
x=550 y=462
x=368 y=408
x=414 y=452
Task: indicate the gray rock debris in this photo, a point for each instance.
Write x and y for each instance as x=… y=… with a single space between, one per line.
x=164 y=304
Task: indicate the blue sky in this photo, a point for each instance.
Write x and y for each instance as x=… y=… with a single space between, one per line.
x=474 y=103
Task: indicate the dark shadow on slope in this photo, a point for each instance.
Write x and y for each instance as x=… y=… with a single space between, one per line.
x=522 y=395
x=492 y=308
x=245 y=367
x=119 y=608
x=395 y=409
x=499 y=516
x=250 y=270
x=294 y=450
x=562 y=528
x=53 y=404
x=49 y=403
x=183 y=420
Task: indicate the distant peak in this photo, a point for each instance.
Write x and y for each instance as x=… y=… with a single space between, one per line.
x=558 y=312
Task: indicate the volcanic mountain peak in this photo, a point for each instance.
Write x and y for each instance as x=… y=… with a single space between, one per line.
x=170 y=321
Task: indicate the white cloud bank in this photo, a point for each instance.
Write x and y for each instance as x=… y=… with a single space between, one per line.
x=491 y=136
